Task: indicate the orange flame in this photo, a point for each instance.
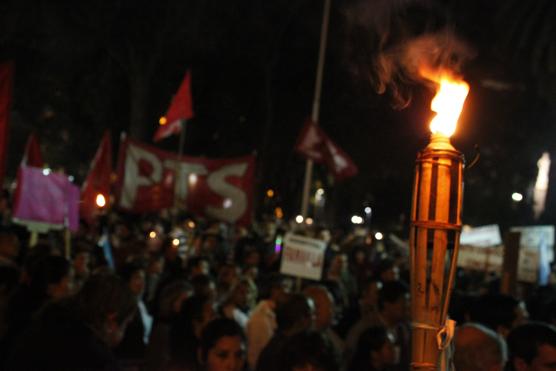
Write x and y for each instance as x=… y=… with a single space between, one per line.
x=448 y=103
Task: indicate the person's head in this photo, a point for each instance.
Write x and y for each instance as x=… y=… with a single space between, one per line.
x=478 y=348
x=369 y=293
x=499 y=312
x=324 y=306
x=107 y=305
x=222 y=346
x=198 y=266
x=375 y=350
x=532 y=347
x=308 y=351
x=196 y=312
x=228 y=275
x=296 y=314
x=276 y=288
x=387 y=270
x=81 y=262
x=203 y=285
x=172 y=297
x=134 y=275
x=155 y=265
x=244 y=293
x=339 y=264
x=52 y=276
x=9 y=245
x=393 y=302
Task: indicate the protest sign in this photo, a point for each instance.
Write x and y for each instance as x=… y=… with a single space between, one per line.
x=484 y=236
x=45 y=200
x=302 y=257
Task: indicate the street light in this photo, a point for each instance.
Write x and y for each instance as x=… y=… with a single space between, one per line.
x=356 y=219
x=299 y=219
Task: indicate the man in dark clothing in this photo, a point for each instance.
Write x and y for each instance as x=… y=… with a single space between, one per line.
x=77 y=333
x=295 y=316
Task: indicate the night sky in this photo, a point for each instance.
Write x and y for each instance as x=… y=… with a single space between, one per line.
x=85 y=66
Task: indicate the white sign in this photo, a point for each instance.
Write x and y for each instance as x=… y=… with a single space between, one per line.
x=490 y=259
x=302 y=257
x=487 y=259
x=537 y=237
x=485 y=236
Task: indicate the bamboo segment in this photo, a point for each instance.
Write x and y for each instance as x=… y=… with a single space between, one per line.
x=434 y=241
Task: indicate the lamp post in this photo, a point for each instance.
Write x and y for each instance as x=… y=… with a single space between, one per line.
x=435 y=230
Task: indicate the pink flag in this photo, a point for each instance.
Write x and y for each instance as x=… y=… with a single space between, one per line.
x=180 y=109
x=48 y=198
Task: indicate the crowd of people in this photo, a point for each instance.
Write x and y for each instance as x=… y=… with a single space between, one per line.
x=155 y=293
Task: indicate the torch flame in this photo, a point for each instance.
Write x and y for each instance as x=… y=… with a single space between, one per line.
x=448 y=103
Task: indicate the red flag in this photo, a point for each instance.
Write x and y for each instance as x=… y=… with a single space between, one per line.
x=32 y=155
x=314 y=144
x=98 y=179
x=6 y=77
x=181 y=108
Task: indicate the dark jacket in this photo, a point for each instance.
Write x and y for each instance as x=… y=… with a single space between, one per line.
x=59 y=340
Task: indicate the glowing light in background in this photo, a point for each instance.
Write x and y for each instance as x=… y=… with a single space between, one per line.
x=176 y=242
x=356 y=219
x=517 y=197
x=309 y=221
x=152 y=234
x=379 y=236
x=162 y=121
x=192 y=178
x=270 y=193
x=100 y=200
x=299 y=219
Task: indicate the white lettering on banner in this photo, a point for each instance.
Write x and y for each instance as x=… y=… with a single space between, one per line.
x=235 y=200
x=133 y=178
x=183 y=170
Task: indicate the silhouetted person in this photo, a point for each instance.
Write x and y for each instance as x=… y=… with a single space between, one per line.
x=478 y=348
x=532 y=347
x=77 y=333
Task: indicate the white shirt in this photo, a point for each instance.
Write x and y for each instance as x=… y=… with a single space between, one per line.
x=260 y=329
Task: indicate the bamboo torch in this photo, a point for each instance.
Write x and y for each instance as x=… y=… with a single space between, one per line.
x=435 y=228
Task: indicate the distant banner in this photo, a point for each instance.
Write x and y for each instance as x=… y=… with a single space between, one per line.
x=484 y=236
x=303 y=257
x=149 y=179
x=490 y=259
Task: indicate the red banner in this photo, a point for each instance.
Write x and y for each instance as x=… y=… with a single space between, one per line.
x=148 y=179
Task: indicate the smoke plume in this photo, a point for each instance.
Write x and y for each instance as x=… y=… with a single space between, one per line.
x=407 y=43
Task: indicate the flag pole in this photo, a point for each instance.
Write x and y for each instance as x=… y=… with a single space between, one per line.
x=183 y=124
x=316 y=104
